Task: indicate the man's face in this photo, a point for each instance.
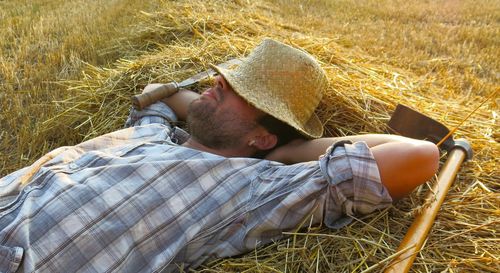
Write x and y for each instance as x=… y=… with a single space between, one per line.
x=221 y=119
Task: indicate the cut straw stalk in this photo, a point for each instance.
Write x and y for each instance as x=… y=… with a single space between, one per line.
x=336 y=237
x=452 y=131
x=390 y=257
x=180 y=38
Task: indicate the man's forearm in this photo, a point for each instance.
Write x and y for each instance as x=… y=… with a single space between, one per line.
x=312 y=149
x=179 y=102
x=373 y=140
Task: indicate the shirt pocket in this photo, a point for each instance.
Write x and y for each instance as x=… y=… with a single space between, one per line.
x=99 y=158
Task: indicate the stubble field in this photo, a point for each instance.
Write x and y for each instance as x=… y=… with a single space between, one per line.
x=68 y=68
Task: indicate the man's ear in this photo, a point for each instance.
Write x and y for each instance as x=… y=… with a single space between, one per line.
x=265 y=142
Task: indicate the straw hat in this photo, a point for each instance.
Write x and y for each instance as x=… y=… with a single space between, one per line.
x=283 y=81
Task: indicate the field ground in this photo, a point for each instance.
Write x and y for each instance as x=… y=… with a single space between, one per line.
x=67 y=69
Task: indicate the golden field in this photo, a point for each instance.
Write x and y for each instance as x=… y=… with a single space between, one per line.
x=68 y=68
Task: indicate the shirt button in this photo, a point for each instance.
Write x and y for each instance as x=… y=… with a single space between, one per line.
x=73 y=166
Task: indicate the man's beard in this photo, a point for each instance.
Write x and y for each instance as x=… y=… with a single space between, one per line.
x=221 y=129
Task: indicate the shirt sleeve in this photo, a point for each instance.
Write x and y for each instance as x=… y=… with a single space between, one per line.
x=10 y=258
x=344 y=182
x=157 y=112
x=355 y=187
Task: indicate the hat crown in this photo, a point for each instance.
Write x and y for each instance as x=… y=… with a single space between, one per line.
x=282 y=81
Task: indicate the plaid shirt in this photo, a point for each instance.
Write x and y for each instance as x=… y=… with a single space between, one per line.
x=135 y=201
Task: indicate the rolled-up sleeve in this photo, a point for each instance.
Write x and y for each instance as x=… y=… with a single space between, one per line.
x=157 y=112
x=355 y=184
x=10 y=258
x=344 y=182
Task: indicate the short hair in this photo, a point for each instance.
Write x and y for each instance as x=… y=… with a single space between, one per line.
x=283 y=131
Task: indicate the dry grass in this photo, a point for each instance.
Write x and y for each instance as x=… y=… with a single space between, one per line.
x=41 y=43
x=439 y=57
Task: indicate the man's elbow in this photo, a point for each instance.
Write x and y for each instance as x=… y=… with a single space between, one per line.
x=427 y=155
x=405 y=165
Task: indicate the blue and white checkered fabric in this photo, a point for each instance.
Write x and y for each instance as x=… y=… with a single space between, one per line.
x=135 y=201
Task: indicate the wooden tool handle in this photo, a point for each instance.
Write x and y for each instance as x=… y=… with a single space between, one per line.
x=150 y=97
x=417 y=233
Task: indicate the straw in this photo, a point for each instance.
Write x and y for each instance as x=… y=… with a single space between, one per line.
x=438 y=58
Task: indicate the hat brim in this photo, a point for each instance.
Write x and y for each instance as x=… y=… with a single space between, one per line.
x=313 y=128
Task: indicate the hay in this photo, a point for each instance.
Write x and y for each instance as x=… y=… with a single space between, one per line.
x=184 y=37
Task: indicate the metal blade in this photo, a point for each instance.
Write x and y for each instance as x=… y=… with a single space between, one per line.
x=208 y=73
x=410 y=123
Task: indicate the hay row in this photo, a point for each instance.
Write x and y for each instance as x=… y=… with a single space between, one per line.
x=189 y=35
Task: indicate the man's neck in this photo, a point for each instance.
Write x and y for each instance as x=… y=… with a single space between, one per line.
x=193 y=144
